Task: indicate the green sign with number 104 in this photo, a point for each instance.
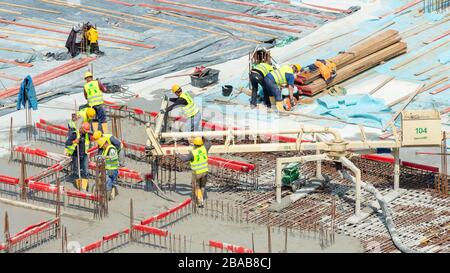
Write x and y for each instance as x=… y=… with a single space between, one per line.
x=421 y=130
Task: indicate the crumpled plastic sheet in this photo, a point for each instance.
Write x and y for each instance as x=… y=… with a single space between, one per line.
x=360 y=109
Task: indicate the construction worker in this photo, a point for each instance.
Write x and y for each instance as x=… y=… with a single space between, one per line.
x=190 y=109
x=111 y=157
x=198 y=159
x=256 y=77
x=92 y=39
x=279 y=78
x=112 y=140
x=93 y=92
x=86 y=114
x=77 y=146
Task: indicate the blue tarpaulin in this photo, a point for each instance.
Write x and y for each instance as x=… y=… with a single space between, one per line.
x=27 y=93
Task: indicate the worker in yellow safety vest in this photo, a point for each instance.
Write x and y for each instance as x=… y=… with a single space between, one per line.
x=279 y=78
x=257 y=75
x=93 y=92
x=77 y=146
x=198 y=159
x=190 y=109
x=109 y=153
x=112 y=140
x=92 y=38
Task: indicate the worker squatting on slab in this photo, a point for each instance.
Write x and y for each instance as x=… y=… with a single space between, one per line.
x=279 y=78
x=198 y=159
x=93 y=92
x=257 y=75
x=111 y=156
x=190 y=109
x=91 y=35
x=112 y=140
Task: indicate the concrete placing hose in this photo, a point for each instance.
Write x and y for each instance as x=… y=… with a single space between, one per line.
x=389 y=223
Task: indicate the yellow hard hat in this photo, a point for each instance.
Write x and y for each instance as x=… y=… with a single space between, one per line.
x=175 y=88
x=90 y=112
x=298 y=67
x=101 y=141
x=97 y=135
x=198 y=141
x=87 y=75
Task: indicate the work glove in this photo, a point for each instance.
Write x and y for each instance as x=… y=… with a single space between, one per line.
x=98 y=157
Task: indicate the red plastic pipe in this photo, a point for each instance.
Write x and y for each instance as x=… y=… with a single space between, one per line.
x=121 y=3
x=15 y=63
x=221 y=18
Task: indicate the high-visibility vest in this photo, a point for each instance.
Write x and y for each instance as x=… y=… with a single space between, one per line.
x=71 y=148
x=111 y=161
x=94 y=93
x=200 y=162
x=263 y=68
x=191 y=108
x=280 y=74
x=83 y=114
x=108 y=139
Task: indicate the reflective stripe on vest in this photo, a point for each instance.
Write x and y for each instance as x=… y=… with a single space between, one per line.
x=200 y=162
x=71 y=149
x=263 y=68
x=280 y=74
x=111 y=162
x=191 y=108
x=93 y=93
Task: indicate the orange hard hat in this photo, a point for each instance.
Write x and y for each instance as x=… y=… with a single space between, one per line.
x=86 y=126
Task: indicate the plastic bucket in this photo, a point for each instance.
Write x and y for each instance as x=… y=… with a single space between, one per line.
x=226 y=90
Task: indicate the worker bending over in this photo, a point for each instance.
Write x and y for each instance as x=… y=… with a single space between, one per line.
x=112 y=140
x=257 y=75
x=109 y=153
x=279 y=78
x=77 y=146
x=93 y=92
x=86 y=114
x=190 y=109
x=198 y=159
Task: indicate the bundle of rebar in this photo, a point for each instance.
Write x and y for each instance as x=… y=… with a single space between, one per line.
x=365 y=54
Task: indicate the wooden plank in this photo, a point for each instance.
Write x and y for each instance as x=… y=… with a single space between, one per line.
x=17 y=50
x=9 y=77
x=402 y=8
x=29 y=7
x=426 y=88
x=437 y=38
x=67 y=33
x=328 y=8
x=427 y=69
x=418 y=56
x=10 y=11
x=162 y=53
x=411 y=97
x=221 y=25
x=15 y=63
x=439 y=90
x=381 y=85
x=287 y=22
x=33 y=43
x=328 y=17
x=227 y=19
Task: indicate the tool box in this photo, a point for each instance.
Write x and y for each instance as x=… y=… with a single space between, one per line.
x=207 y=77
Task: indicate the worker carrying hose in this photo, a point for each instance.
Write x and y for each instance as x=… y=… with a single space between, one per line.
x=279 y=78
x=257 y=75
x=198 y=159
x=111 y=156
x=190 y=108
x=112 y=140
x=93 y=92
x=77 y=146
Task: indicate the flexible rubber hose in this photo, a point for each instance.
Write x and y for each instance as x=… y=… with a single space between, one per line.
x=389 y=223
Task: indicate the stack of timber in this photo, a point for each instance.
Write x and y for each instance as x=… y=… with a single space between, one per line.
x=364 y=55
